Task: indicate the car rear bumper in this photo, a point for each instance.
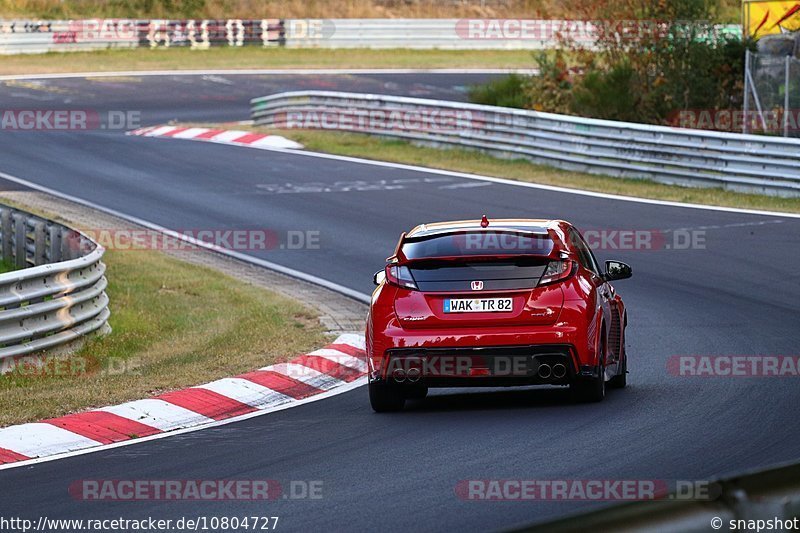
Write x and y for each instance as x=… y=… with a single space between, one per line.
x=487 y=366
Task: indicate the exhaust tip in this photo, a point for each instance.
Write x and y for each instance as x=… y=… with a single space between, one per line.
x=545 y=371
x=399 y=375
x=413 y=375
x=559 y=370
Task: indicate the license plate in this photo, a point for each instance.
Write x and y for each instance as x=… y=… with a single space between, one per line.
x=477 y=305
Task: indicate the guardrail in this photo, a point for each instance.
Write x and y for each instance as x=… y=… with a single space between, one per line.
x=744 y=163
x=58 y=295
x=31 y=36
x=418 y=34
x=749 y=501
x=37 y=36
x=467 y=34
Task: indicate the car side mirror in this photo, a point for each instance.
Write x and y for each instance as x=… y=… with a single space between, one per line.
x=378 y=277
x=617 y=270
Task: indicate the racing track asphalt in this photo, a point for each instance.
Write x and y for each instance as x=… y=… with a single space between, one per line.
x=737 y=295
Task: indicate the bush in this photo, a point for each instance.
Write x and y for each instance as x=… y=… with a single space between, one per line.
x=551 y=90
x=611 y=94
x=508 y=91
x=649 y=75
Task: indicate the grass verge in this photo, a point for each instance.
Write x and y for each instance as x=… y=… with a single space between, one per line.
x=399 y=151
x=174 y=325
x=262 y=58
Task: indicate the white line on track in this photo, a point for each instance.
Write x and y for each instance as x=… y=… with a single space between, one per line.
x=341 y=289
x=414 y=168
x=504 y=181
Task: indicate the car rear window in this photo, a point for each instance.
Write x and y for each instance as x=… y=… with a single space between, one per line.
x=473 y=243
x=504 y=274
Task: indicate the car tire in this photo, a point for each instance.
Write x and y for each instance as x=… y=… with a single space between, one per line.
x=385 y=398
x=592 y=389
x=416 y=393
x=620 y=381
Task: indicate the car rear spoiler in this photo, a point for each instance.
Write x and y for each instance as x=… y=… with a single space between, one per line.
x=559 y=250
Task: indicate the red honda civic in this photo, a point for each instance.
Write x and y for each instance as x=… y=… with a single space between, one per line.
x=509 y=302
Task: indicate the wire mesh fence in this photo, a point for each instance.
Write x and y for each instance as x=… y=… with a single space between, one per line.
x=772 y=95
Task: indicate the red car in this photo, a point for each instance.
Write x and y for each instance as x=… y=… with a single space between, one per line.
x=503 y=303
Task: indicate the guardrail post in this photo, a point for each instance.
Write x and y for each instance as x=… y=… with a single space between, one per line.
x=39 y=243
x=20 y=236
x=55 y=244
x=7 y=236
x=786 y=84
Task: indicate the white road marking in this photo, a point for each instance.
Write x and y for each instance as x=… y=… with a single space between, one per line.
x=341 y=289
x=356 y=340
x=339 y=390
x=190 y=133
x=275 y=141
x=217 y=79
x=732 y=225
x=159 y=131
x=247 y=392
x=158 y=414
x=228 y=136
x=464 y=185
x=514 y=183
x=306 y=374
x=33 y=440
x=341 y=358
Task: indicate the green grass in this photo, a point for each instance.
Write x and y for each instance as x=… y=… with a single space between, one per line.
x=261 y=58
x=369 y=147
x=174 y=325
x=6 y=266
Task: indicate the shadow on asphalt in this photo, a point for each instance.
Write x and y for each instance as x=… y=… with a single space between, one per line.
x=477 y=399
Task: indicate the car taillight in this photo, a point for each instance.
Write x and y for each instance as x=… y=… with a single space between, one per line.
x=400 y=276
x=557 y=271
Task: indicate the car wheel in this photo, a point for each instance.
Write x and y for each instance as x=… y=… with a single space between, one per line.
x=385 y=398
x=620 y=381
x=593 y=389
x=416 y=393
